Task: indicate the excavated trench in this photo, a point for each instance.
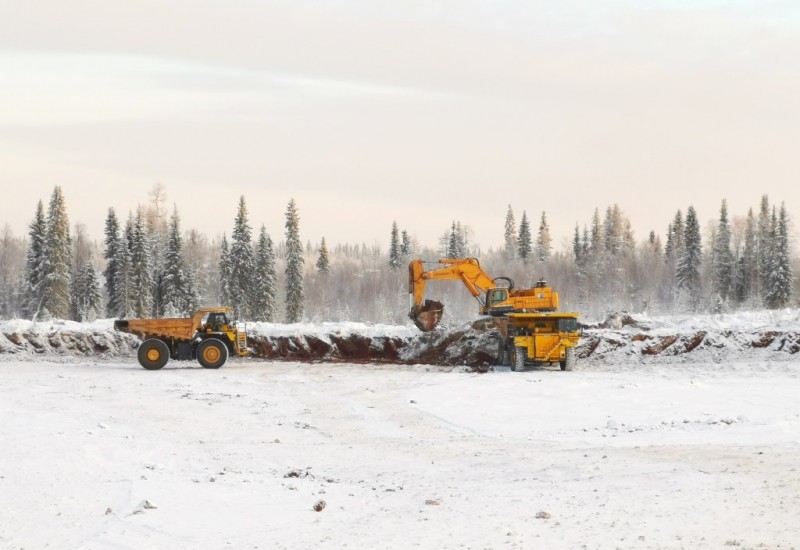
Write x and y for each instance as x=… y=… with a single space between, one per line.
x=475 y=346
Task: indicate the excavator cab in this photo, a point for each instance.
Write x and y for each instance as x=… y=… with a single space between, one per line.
x=496 y=303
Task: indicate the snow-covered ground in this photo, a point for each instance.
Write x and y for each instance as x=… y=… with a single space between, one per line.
x=108 y=455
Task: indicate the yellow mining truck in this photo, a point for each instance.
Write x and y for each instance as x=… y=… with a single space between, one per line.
x=208 y=336
x=533 y=331
x=541 y=339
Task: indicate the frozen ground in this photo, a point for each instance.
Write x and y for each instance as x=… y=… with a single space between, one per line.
x=652 y=456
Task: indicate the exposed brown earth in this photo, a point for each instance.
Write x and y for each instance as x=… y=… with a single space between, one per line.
x=476 y=346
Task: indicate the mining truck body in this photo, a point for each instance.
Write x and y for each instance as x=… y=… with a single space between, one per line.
x=208 y=336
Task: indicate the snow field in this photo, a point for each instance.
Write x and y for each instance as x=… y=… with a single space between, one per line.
x=108 y=455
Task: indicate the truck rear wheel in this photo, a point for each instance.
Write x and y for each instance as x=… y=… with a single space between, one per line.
x=569 y=359
x=212 y=353
x=518 y=354
x=153 y=354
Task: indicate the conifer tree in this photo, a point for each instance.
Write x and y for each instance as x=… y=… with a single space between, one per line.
x=722 y=257
x=295 y=294
x=394 y=247
x=688 y=269
x=142 y=280
x=597 y=239
x=406 y=246
x=543 y=240
x=175 y=290
x=242 y=265
x=510 y=235
x=674 y=239
x=34 y=265
x=57 y=273
x=224 y=272
x=780 y=279
x=266 y=281
x=525 y=245
x=123 y=282
x=110 y=254
x=764 y=240
x=747 y=273
x=323 y=261
x=88 y=297
x=577 y=246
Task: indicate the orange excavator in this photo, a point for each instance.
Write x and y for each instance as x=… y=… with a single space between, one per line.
x=533 y=331
x=494 y=300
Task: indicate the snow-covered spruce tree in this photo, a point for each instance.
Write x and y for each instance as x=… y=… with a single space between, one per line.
x=224 y=272
x=174 y=284
x=242 y=265
x=510 y=236
x=722 y=257
x=674 y=239
x=324 y=261
x=747 y=272
x=580 y=253
x=764 y=240
x=57 y=273
x=89 y=298
x=525 y=245
x=406 y=246
x=35 y=263
x=266 y=280
x=110 y=254
x=781 y=278
x=544 y=245
x=141 y=269
x=394 y=247
x=689 y=260
x=295 y=295
x=123 y=282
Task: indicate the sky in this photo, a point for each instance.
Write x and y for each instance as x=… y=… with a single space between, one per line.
x=418 y=111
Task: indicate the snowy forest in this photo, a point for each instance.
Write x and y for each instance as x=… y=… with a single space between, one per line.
x=147 y=265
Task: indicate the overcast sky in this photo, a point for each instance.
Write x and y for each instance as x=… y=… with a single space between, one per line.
x=418 y=111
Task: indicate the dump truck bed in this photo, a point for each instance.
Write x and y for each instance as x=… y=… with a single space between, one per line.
x=179 y=329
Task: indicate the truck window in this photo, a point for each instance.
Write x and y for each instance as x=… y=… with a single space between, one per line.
x=568 y=325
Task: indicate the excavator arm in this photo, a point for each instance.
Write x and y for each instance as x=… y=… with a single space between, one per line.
x=426 y=314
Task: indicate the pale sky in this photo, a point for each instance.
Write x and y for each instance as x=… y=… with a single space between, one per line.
x=418 y=111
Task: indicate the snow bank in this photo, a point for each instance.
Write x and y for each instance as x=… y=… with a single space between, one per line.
x=622 y=339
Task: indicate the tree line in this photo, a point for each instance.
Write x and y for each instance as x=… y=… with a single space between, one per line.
x=147 y=266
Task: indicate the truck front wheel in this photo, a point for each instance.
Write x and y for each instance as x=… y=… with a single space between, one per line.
x=212 y=353
x=569 y=359
x=153 y=354
x=518 y=354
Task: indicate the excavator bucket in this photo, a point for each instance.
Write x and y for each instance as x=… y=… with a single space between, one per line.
x=428 y=315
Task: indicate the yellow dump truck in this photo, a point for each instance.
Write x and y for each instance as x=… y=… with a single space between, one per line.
x=542 y=339
x=208 y=336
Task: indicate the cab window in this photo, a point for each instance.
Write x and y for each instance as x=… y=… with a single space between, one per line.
x=568 y=325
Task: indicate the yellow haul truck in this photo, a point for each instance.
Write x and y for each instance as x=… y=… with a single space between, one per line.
x=533 y=331
x=541 y=339
x=209 y=336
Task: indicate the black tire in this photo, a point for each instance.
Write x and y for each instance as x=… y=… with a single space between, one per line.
x=518 y=354
x=569 y=359
x=212 y=353
x=153 y=354
x=502 y=355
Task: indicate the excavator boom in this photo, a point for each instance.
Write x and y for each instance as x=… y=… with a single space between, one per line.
x=426 y=314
